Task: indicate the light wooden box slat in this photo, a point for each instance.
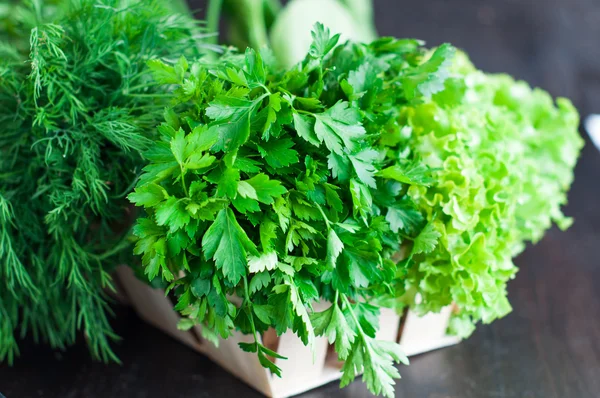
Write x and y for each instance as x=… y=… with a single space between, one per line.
x=304 y=370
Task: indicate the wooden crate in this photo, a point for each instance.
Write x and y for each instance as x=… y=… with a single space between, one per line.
x=304 y=370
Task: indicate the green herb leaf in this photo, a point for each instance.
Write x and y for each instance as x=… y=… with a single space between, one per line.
x=231 y=117
x=417 y=174
x=228 y=244
x=427 y=240
x=266 y=189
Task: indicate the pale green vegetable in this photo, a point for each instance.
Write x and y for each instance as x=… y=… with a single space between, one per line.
x=504 y=155
x=287 y=29
x=291 y=33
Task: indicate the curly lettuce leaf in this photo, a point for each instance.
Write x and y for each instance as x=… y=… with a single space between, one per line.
x=502 y=156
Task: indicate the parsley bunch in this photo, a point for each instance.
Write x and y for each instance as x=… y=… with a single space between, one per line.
x=275 y=187
x=77 y=106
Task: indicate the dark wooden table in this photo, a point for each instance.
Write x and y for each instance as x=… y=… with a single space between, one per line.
x=548 y=347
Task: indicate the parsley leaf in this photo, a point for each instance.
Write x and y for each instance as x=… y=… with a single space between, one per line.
x=278 y=153
x=339 y=127
x=427 y=239
x=404 y=216
x=266 y=189
x=323 y=42
x=228 y=244
x=429 y=77
x=231 y=117
x=414 y=173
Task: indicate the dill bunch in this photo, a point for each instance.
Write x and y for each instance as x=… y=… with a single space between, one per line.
x=77 y=106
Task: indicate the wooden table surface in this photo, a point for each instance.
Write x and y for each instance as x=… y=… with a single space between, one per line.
x=548 y=347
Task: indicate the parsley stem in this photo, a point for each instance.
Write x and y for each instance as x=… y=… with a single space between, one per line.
x=319 y=89
x=262 y=97
x=246 y=291
x=327 y=222
x=361 y=334
x=266 y=88
x=248 y=304
x=353 y=315
x=405 y=236
x=183 y=181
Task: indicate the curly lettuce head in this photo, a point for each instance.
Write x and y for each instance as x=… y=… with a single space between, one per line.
x=503 y=156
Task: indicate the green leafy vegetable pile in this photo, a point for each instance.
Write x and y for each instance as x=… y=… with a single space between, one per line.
x=270 y=185
x=283 y=187
x=77 y=106
x=366 y=175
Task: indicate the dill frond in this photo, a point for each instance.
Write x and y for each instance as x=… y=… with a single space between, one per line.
x=77 y=107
